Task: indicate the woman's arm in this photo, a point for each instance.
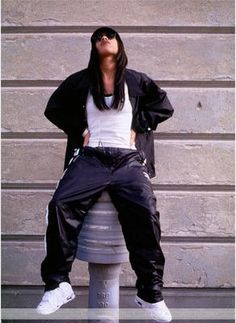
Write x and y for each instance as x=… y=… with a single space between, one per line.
x=57 y=107
x=157 y=106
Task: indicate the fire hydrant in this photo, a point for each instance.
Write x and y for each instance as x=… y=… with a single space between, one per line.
x=101 y=244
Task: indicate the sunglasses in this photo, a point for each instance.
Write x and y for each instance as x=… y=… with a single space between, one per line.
x=109 y=35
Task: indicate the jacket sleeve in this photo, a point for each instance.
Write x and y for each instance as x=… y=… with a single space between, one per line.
x=57 y=107
x=157 y=107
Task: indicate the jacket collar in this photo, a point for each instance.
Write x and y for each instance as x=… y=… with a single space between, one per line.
x=132 y=82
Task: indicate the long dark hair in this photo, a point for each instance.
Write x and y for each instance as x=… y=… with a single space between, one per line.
x=95 y=77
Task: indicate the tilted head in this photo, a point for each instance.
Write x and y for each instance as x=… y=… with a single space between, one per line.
x=106 y=41
x=108 y=36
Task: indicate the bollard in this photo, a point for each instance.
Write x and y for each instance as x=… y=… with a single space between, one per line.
x=101 y=244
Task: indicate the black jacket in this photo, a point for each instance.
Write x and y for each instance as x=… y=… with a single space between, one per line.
x=66 y=109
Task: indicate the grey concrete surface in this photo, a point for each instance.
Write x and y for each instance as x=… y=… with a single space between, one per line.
x=188 y=44
x=197 y=110
x=188 y=264
x=202 y=57
x=177 y=162
x=176 y=298
x=137 y=13
x=182 y=214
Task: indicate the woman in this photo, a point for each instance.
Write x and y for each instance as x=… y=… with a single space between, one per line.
x=109 y=113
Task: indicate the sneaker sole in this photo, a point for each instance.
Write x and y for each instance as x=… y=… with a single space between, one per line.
x=50 y=311
x=156 y=320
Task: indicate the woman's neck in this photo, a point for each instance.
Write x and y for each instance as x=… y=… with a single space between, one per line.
x=108 y=68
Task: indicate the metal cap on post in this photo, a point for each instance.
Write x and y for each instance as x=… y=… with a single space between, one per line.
x=101 y=244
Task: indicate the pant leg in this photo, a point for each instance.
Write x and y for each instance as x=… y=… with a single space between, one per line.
x=79 y=188
x=132 y=195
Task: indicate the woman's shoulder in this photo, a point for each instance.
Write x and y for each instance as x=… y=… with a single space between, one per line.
x=138 y=80
x=76 y=80
x=137 y=74
x=77 y=76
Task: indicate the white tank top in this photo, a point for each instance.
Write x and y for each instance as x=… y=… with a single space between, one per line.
x=109 y=128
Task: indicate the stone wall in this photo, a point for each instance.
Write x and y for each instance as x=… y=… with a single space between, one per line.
x=187 y=47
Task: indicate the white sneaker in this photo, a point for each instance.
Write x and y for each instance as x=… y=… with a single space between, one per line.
x=53 y=299
x=156 y=311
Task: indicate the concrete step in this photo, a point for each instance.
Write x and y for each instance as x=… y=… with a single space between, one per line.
x=25 y=297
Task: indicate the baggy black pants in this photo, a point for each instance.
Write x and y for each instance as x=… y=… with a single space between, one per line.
x=123 y=174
